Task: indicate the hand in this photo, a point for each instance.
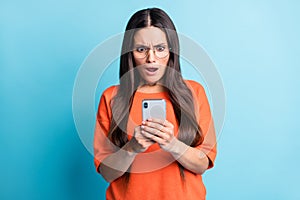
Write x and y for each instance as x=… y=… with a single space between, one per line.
x=160 y=131
x=139 y=143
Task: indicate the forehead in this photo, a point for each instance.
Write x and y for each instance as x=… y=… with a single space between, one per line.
x=150 y=35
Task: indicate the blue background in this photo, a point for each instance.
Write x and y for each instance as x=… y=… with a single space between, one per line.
x=254 y=44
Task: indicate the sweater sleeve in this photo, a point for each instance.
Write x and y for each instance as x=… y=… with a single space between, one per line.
x=102 y=145
x=205 y=120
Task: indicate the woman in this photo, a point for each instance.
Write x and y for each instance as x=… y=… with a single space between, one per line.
x=154 y=158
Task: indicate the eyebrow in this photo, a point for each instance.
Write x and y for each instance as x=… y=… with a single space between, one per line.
x=144 y=45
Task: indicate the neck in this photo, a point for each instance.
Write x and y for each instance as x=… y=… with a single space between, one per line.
x=151 y=88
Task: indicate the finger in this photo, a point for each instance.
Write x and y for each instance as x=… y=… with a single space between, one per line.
x=143 y=141
x=139 y=136
x=165 y=136
x=162 y=122
x=152 y=137
x=156 y=120
x=169 y=130
x=154 y=125
x=152 y=130
x=168 y=124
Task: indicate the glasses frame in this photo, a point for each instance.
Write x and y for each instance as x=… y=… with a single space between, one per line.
x=154 y=52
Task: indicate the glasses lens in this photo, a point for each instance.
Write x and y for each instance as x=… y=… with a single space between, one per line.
x=142 y=52
x=161 y=51
x=161 y=54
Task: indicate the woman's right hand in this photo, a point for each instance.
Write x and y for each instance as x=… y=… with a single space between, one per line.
x=116 y=164
x=139 y=143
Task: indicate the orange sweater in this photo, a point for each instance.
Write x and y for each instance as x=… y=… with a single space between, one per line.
x=154 y=173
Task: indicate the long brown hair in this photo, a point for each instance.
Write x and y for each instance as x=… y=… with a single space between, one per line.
x=180 y=95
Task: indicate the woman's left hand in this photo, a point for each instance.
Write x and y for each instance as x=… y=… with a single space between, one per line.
x=160 y=131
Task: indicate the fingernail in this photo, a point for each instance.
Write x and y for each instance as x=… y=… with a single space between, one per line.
x=142 y=127
x=143 y=122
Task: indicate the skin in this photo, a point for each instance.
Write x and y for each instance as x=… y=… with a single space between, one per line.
x=153 y=130
x=151 y=37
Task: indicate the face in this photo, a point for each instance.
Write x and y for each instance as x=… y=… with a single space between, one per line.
x=151 y=54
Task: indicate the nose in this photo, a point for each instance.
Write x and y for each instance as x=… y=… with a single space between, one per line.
x=150 y=56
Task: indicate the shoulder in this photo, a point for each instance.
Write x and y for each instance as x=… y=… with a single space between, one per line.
x=194 y=86
x=197 y=90
x=106 y=98
x=199 y=93
x=110 y=92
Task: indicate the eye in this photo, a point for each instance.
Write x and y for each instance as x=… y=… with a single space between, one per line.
x=160 y=48
x=141 y=49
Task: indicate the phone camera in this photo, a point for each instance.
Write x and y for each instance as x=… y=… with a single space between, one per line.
x=145 y=105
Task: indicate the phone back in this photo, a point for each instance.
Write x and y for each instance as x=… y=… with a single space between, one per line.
x=154 y=108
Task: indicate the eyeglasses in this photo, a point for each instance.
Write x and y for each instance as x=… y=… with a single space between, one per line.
x=160 y=51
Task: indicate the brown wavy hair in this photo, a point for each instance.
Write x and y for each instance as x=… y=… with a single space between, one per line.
x=180 y=95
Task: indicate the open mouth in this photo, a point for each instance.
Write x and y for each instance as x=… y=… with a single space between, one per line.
x=151 y=69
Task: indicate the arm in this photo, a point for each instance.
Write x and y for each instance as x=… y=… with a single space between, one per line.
x=190 y=158
x=116 y=164
x=110 y=161
x=161 y=132
x=196 y=159
x=204 y=154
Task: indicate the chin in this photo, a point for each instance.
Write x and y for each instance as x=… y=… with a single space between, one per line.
x=148 y=82
x=151 y=80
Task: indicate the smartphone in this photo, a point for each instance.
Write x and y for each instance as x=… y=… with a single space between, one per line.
x=154 y=108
